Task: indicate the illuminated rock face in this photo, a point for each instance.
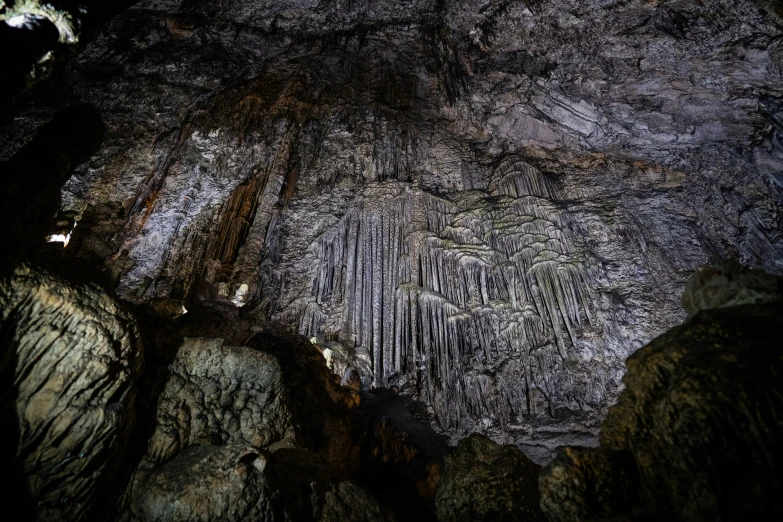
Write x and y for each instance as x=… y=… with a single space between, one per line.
x=489 y=204
x=71 y=361
x=458 y=287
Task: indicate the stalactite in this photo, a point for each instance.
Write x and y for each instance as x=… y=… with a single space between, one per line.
x=251 y=254
x=457 y=284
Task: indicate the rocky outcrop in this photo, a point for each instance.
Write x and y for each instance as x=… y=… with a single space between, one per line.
x=218 y=395
x=488 y=204
x=484 y=481
x=71 y=356
x=589 y=484
x=274 y=393
x=701 y=418
x=240 y=482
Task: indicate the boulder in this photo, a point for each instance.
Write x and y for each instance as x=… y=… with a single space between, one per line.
x=321 y=409
x=484 y=481
x=71 y=356
x=274 y=393
x=703 y=417
x=220 y=395
x=588 y=484
x=240 y=482
x=700 y=422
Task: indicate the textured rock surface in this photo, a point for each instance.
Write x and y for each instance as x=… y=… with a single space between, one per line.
x=490 y=204
x=220 y=395
x=70 y=359
x=237 y=482
x=274 y=393
x=484 y=481
x=703 y=417
x=700 y=419
x=589 y=484
x=730 y=284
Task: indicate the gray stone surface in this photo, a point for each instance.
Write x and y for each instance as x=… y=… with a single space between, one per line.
x=220 y=395
x=490 y=204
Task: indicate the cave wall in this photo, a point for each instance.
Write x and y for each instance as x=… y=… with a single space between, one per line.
x=490 y=204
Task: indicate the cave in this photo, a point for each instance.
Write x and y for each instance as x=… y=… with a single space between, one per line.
x=391 y=260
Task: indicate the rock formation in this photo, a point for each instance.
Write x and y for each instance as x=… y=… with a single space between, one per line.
x=699 y=421
x=254 y=485
x=347 y=234
x=490 y=205
x=71 y=357
x=484 y=481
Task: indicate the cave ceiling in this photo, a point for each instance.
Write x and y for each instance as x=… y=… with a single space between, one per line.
x=489 y=204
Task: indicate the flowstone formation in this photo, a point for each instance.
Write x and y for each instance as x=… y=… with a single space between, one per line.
x=474 y=302
x=488 y=204
x=71 y=359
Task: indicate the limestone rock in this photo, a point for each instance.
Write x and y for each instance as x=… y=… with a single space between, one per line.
x=205 y=483
x=275 y=393
x=491 y=203
x=700 y=421
x=588 y=484
x=322 y=411
x=484 y=481
x=70 y=358
x=730 y=284
x=240 y=482
x=219 y=395
x=703 y=417
x=319 y=405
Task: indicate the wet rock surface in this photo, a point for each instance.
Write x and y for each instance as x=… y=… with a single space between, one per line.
x=71 y=356
x=484 y=481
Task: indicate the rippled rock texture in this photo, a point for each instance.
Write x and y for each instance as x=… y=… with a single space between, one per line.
x=71 y=356
x=488 y=204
